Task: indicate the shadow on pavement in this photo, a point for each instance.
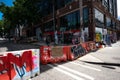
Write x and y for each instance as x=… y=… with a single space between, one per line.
x=44 y=68
x=103 y=63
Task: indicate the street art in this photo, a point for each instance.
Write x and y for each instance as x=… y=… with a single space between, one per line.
x=99 y=32
x=78 y=51
x=51 y=54
x=19 y=65
x=55 y=54
x=98 y=37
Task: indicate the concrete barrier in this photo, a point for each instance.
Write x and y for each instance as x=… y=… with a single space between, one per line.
x=19 y=65
x=89 y=46
x=52 y=54
x=75 y=51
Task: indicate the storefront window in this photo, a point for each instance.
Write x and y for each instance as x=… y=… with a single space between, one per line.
x=70 y=21
x=68 y=1
x=99 y=18
x=62 y=3
x=108 y=22
x=48 y=26
x=105 y=3
x=117 y=26
x=113 y=25
x=45 y=7
x=110 y=6
x=85 y=16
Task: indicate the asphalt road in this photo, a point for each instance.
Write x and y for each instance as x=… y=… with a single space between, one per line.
x=103 y=64
x=6 y=45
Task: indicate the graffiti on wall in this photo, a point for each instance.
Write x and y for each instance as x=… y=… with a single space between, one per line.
x=17 y=65
x=77 y=50
x=98 y=37
x=98 y=34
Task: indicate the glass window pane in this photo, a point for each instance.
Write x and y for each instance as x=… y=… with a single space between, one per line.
x=85 y=16
x=70 y=21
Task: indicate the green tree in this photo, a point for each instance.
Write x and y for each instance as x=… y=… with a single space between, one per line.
x=1 y=28
x=7 y=17
x=23 y=12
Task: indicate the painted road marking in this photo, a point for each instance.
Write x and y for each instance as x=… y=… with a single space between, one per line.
x=65 y=72
x=75 y=72
x=84 y=66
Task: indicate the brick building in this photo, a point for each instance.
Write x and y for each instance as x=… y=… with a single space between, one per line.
x=92 y=20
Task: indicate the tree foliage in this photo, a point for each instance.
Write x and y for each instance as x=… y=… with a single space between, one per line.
x=23 y=12
x=1 y=27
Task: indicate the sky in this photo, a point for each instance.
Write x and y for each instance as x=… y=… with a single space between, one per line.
x=9 y=3
x=118 y=5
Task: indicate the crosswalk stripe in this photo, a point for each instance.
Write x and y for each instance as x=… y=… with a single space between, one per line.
x=84 y=66
x=65 y=72
x=75 y=72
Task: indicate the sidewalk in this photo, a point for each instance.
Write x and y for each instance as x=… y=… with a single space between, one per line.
x=105 y=56
x=117 y=44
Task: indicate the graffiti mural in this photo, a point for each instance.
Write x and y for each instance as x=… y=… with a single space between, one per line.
x=98 y=35
x=78 y=51
x=19 y=65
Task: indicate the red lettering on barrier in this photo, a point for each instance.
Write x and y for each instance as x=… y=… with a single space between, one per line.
x=6 y=64
x=3 y=64
x=6 y=69
x=19 y=61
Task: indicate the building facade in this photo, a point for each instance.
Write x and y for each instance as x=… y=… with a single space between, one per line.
x=91 y=20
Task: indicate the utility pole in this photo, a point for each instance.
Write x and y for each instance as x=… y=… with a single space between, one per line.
x=81 y=19
x=54 y=24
